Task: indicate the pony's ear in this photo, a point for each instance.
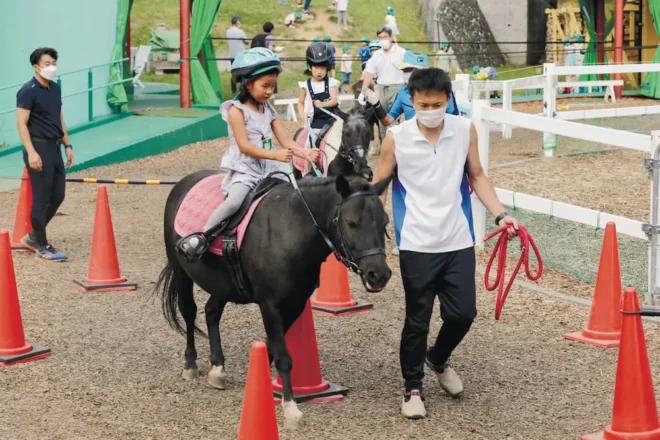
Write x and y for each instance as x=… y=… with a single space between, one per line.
x=343 y=187
x=382 y=185
x=343 y=115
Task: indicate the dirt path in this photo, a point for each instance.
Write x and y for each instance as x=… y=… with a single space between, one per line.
x=116 y=365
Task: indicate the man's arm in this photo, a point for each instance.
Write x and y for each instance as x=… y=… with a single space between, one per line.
x=386 y=163
x=482 y=185
x=65 y=138
x=67 y=141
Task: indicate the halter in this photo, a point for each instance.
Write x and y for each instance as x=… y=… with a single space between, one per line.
x=345 y=153
x=347 y=258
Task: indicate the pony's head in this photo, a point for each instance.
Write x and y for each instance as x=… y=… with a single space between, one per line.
x=358 y=230
x=356 y=136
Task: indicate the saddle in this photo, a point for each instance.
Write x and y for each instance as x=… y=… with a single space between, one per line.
x=225 y=239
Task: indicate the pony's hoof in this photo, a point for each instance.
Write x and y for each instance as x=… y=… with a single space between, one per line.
x=217 y=377
x=190 y=373
x=292 y=415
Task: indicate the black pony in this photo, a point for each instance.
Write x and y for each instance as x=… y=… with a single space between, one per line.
x=350 y=157
x=368 y=108
x=290 y=235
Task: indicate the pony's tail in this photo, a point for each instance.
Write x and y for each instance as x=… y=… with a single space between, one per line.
x=174 y=286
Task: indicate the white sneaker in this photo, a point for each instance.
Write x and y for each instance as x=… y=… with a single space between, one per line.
x=447 y=377
x=412 y=406
x=395 y=250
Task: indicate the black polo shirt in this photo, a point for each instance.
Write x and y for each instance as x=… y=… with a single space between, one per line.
x=45 y=105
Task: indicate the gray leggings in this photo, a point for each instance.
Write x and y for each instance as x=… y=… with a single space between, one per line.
x=234 y=200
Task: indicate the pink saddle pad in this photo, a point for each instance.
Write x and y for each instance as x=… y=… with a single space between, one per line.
x=200 y=202
x=301 y=164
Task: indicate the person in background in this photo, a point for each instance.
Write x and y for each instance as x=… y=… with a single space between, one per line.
x=443 y=58
x=332 y=50
x=319 y=91
x=306 y=7
x=390 y=22
x=403 y=105
x=237 y=40
x=364 y=52
x=292 y=18
x=346 y=65
x=42 y=130
x=390 y=79
x=342 y=14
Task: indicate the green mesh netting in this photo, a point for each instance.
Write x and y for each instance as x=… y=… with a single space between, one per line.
x=575 y=248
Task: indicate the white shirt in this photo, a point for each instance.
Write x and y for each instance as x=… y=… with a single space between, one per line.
x=346 y=63
x=430 y=197
x=342 y=5
x=382 y=64
x=317 y=87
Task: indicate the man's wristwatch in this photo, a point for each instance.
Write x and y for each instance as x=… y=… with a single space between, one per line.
x=68 y=146
x=499 y=218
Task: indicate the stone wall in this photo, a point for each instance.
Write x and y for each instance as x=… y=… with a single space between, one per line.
x=463 y=21
x=507 y=20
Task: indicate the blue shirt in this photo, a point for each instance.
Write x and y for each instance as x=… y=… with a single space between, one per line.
x=365 y=54
x=403 y=105
x=332 y=50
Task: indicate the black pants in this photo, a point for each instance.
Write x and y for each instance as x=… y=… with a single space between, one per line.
x=450 y=276
x=48 y=187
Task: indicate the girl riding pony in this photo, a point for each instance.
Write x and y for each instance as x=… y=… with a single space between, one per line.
x=252 y=155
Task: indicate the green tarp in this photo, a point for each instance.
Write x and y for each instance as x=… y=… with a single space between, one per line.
x=651 y=86
x=116 y=95
x=164 y=41
x=588 y=11
x=204 y=14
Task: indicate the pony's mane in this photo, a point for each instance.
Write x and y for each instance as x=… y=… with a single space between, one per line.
x=357 y=183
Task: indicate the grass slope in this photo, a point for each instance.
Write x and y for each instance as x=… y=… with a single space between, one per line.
x=364 y=18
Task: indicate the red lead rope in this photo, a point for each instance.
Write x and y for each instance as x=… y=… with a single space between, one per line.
x=500 y=247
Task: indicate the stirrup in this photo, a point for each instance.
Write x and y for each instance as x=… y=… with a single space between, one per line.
x=192 y=252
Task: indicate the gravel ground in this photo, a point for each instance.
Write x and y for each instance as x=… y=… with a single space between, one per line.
x=116 y=365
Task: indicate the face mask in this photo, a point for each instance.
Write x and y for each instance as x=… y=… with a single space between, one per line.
x=406 y=77
x=431 y=118
x=385 y=44
x=48 y=72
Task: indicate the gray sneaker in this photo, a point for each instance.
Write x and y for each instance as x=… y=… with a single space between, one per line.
x=447 y=377
x=30 y=243
x=412 y=406
x=49 y=253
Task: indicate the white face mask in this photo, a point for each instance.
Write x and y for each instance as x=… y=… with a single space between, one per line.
x=406 y=77
x=385 y=44
x=431 y=118
x=48 y=72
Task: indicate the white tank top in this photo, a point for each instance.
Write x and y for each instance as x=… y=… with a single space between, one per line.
x=430 y=196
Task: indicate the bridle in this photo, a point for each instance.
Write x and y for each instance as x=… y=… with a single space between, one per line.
x=342 y=254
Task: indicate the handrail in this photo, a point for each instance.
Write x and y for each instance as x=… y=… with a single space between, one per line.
x=90 y=89
x=69 y=73
x=84 y=69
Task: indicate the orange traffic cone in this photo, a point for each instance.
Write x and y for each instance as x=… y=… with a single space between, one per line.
x=333 y=297
x=103 y=274
x=258 y=416
x=634 y=413
x=22 y=222
x=14 y=349
x=308 y=384
x=604 y=326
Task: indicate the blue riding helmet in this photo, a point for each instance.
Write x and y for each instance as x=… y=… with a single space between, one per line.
x=253 y=62
x=412 y=60
x=374 y=45
x=390 y=10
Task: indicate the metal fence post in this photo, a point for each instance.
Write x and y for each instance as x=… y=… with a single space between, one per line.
x=653 y=166
x=90 y=96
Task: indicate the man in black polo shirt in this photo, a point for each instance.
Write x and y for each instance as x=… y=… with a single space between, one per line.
x=42 y=129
